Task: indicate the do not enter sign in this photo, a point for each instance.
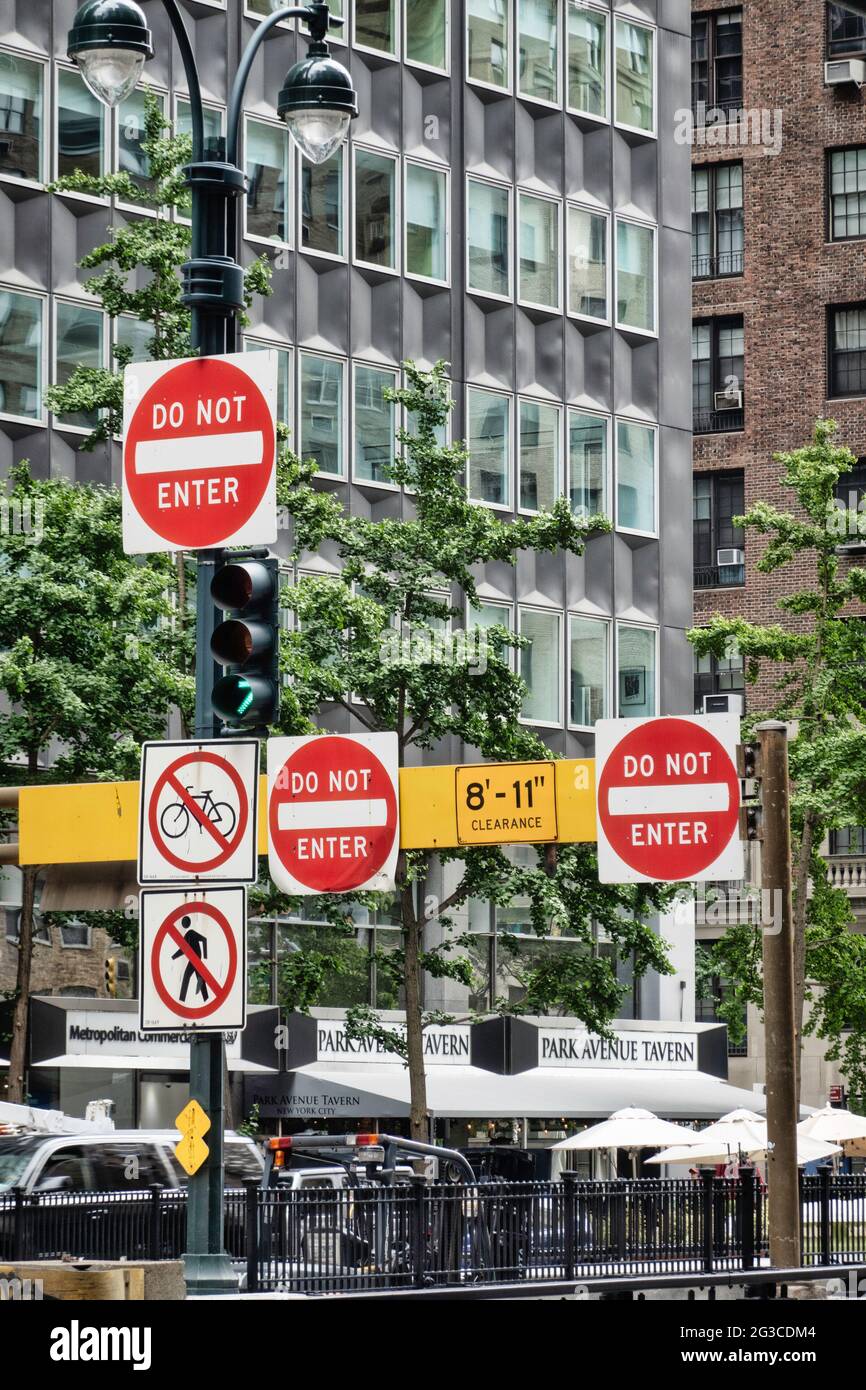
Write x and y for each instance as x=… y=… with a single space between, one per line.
x=668 y=799
x=333 y=813
x=199 y=454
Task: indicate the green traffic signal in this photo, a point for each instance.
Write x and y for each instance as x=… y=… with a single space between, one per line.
x=247 y=642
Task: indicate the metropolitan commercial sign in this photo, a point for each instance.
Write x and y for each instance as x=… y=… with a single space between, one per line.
x=627 y=1049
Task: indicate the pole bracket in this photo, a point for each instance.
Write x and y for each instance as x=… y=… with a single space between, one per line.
x=214 y=282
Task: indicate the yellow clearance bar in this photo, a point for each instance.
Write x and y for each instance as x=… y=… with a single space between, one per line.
x=97 y=822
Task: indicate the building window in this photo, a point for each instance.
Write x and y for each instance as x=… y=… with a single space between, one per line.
x=376 y=25
x=267 y=164
x=79 y=341
x=636 y=477
x=710 y=995
x=80 y=127
x=22 y=320
x=587 y=60
x=588 y=640
x=540 y=453
x=22 y=118
x=717 y=220
x=720 y=561
x=717 y=63
x=635 y=276
x=131 y=158
x=488 y=241
x=636 y=671
x=213 y=124
x=540 y=664
x=538 y=50
x=322 y=205
x=718 y=368
x=489 y=434
x=426 y=222
x=587 y=264
x=490 y=614
x=846 y=32
x=375 y=209
x=487 y=42
x=719 y=676
x=426 y=29
x=284 y=375
x=847 y=351
x=374 y=424
x=635 y=77
x=134 y=334
x=321 y=413
x=538 y=279
x=75 y=934
x=847 y=188
x=851 y=840
x=587 y=463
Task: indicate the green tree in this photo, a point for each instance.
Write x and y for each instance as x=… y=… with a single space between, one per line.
x=406 y=579
x=91 y=661
x=815 y=663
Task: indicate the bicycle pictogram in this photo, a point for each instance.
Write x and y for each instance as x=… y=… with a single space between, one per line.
x=175 y=818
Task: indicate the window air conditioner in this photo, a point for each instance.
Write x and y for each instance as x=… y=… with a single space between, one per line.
x=727 y=558
x=728 y=400
x=844 y=72
x=723 y=704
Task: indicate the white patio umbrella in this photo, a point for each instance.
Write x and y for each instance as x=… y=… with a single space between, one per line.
x=626 y=1129
x=808 y=1151
x=836 y=1127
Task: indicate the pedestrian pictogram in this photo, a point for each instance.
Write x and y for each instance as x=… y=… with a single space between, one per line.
x=668 y=799
x=333 y=813
x=191 y=1150
x=193 y=959
x=199 y=454
x=197 y=814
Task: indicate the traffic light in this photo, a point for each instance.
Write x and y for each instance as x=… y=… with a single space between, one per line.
x=111 y=976
x=248 y=641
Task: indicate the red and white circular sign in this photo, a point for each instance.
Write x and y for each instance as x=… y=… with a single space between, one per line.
x=196 y=988
x=199 y=453
x=668 y=799
x=332 y=814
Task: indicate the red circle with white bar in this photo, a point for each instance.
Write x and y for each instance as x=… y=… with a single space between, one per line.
x=220 y=991
x=333 y=814
x=669 y=799
x=199 y=453
x=189 y=805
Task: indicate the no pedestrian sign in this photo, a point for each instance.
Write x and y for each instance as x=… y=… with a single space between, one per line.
x=197 y=812
x=333 y=823
x=668 y=799
x=199 y=453
x=193 y=959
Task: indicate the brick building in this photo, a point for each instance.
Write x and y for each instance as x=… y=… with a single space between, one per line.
x=779 y=310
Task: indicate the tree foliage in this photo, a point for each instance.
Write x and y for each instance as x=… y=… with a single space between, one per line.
x=815 y=661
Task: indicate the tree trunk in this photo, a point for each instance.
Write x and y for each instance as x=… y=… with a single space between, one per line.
x=21 y=1014
x=801 y=889
x=414 y=1030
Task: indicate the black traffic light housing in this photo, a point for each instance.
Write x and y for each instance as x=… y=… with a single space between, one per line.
x=246 y=586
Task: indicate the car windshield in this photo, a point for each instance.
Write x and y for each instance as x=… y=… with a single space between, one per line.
x=15 y=1154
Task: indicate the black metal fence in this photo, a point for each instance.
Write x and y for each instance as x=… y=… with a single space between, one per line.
x=417 y=1235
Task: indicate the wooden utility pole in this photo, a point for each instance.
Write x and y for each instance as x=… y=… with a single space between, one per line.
x=779 y=1026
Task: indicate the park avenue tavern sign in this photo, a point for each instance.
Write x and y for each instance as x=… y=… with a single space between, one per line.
x=628 y=1050
x=199 y=453
x=444 y=1045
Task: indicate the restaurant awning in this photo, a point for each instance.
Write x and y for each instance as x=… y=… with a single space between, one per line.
x=322 y=1090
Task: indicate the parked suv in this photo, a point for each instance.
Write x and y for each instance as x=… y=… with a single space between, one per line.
x=111 y=1162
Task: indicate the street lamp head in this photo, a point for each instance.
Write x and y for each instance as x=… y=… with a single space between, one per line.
x=110 y=41
x=318 y=102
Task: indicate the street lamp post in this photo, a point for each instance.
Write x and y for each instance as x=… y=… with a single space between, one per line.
x=110 y=42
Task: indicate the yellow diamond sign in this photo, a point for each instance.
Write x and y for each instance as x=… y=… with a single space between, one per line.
x=191 y=1151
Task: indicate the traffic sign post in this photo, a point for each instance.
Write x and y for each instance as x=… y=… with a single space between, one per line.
x=197 y=812
x=193 y=953
x=333 y=817
x=668 y=795
x=199 y=453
